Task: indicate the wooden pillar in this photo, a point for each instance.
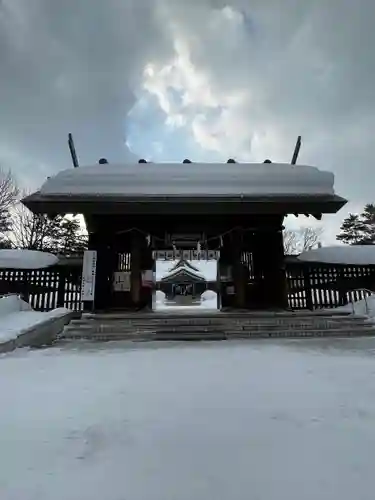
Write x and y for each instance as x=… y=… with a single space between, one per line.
x=225 y=276
x=239 y=275
x=147 y=265
x=261 y=257
x=141 y=260
x=274 y=271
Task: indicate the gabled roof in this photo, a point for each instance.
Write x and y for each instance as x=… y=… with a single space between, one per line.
x=137 y=188
x=183 y=270
x=182 y=262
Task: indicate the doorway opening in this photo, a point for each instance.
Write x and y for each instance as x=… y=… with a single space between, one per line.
x=184 y=285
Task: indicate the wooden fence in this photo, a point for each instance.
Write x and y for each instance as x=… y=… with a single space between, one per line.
x=45 y=289
x=310 y=286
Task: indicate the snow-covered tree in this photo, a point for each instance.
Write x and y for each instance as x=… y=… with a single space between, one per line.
x=359 y=229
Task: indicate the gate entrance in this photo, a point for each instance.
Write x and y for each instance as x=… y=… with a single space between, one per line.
x=134 y=210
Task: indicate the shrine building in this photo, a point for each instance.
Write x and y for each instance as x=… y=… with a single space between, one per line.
x=183 y=278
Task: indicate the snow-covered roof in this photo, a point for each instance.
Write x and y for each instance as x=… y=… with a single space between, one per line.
x=193 y=180
x=183 y=271
x=26 y=259
x=184 y=263
x=350 y=255
x=208 y=269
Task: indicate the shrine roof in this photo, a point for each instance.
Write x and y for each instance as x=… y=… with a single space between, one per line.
x=107 y=185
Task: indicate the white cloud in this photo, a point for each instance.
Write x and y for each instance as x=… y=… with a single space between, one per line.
x=233 y=78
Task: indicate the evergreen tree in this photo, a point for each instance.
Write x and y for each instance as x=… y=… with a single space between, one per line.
x=68 y=237
x=352 y=230
x=368 y=218
x=359 y=229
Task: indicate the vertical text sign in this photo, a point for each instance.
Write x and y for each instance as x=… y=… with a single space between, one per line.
x=89 y=275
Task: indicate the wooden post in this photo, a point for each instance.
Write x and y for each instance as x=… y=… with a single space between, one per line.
x=224 y=267
x=135 y=272
x=61 y=287
x=274 y=268
x=147 y=264
x=307 y=287
x=238 y=270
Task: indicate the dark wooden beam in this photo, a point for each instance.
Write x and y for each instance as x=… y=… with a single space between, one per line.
x=296 y=150
x=72 y=149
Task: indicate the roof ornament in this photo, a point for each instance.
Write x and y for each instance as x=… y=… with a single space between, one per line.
x=103 y=161
x=267 y=161
x=296 y=150
x=142 y=160
x=186 y=160
x=72 y=150
x=231 y=160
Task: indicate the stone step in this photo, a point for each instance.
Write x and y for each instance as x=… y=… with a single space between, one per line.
x=181 y=323
x=216 y=326
x=211 y=315
x=188 y=335
x=238 y=326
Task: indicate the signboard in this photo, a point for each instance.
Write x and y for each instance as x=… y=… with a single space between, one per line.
x=148 y=278
x=121 y=281
x=186 y=254
x=88 y=275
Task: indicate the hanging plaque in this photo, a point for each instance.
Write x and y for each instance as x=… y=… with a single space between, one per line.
x=121 y=281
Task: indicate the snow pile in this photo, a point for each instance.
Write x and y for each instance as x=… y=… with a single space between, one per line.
x=209 y=299
x=17 y=316
x=350 y=255
x=364 y=307
x=11 y=304
x=26 y=259
x=193 y=179
x=270 y=421
x=159 y=297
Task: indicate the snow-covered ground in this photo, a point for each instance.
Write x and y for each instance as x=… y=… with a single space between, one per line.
x=208 y=301
x=259 y=420
x=17 y=316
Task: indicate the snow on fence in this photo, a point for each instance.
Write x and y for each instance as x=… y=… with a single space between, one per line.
x=309 y=286
x=45 y=289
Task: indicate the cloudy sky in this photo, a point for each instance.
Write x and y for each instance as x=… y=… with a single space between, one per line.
x=205 y=79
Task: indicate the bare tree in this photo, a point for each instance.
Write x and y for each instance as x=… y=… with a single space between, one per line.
x=8 y=190
x=290 y=242
x=311 y=238
x=8 y=196
x=31 y=231
x=301 y=240
x=60 y=235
